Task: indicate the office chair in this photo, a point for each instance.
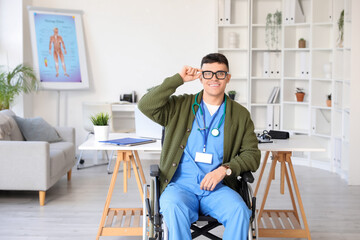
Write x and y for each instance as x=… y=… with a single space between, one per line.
x=90 y=109
x=155 y=229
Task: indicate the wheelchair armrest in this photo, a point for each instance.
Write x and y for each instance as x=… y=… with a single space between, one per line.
x=247 y=176
x=154 y=170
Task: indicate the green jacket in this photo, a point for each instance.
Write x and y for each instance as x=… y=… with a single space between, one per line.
x=241 y=151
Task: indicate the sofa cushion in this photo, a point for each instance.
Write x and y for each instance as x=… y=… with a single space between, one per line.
x=60 y=154
x=37 y=129
x=6 y=127
x=15 y=132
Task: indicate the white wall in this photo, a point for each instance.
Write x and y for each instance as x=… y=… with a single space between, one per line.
x=131 y=45
x=11 y=45
x=354 y=161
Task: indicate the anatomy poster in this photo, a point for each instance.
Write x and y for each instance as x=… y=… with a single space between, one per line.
x=58 y=54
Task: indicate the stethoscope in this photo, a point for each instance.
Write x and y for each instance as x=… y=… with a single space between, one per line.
x=215 y=131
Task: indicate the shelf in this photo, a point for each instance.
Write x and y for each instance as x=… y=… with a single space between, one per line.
x=295 y=103
x=322 y=49
x=262 y=104
x=321 y=107
x=322 y=79
x=233 y=25
x=258 y=25
x=296 y=79
x=297 y=49
x=297 y=25
x=297 y=131
x=321 y=135
x=265 y=50
x=329 y=24
x=265 y=78
x=233 y=49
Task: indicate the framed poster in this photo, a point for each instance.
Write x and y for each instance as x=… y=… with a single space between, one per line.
x=58 y=48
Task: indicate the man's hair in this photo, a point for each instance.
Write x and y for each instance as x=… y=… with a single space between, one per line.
x=215 y=58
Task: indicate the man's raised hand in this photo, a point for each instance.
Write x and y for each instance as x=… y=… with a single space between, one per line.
x=189 y=73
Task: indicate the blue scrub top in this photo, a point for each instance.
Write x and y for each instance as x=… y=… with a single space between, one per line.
x=189 y=173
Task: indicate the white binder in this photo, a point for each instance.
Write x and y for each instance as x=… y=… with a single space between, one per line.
x=221 y=11
x=331 y=11
x=275 y=64
x=276 y=122
x=277 y=95
x=302 y=67
x=296 y=12
x=266 y=64
x=227 y=13
x=269 y=117
x=287 y=12
x=277 y=70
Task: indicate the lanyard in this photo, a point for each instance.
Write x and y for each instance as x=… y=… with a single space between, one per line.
x=215 y=131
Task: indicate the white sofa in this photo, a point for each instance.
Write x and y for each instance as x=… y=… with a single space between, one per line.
x=33 y=165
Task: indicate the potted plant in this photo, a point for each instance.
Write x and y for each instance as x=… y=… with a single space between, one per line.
x=302 y=43
x=101 y=126
x=232 y=94
x=328 y=100
x=341 y=30
x=20 y=80
x=300 y=94
x=272 y=29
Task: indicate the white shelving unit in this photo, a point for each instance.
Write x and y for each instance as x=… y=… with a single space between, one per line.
x=233 y=41
x=299 y=68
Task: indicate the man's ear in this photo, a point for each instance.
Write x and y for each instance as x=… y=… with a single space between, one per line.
x=228 y=78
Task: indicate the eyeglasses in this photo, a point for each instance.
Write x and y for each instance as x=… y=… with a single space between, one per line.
x=220 y=75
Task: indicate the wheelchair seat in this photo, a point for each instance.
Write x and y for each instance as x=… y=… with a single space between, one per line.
x=153 y=224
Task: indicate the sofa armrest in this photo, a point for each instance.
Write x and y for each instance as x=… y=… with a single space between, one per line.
x=25 y=165
x=67 y=134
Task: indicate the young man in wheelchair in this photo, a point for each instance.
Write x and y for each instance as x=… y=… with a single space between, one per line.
x=209 y=141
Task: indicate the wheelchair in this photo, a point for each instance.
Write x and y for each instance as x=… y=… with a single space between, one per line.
x=155 y=229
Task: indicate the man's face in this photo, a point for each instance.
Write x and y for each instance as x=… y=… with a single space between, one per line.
x=214 y=87
x=56 y=31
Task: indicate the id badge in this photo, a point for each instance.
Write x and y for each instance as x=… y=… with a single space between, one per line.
x=203 y=157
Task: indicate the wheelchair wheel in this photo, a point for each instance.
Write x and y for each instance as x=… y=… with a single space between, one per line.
x=148 y=226
x=253 y=228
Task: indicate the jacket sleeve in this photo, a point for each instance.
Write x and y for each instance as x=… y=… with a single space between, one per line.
x=248 y=157
x=157 y=103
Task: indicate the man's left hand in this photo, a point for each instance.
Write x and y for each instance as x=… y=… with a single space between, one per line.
x=212 y=179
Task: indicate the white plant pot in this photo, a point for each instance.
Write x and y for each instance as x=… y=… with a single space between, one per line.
x=101 y=133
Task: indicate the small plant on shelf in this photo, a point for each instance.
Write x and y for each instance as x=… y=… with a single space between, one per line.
x=341 y=30
x=272 y=29
x=300 y=94
x=328 y=100
x=302 y=43
x=232 y=94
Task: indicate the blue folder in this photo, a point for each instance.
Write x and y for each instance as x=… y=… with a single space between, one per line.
x=129 y=141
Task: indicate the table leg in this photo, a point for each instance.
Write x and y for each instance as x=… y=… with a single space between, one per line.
x=282 y=174
x=137 y=177
x=272 y=170
x=109 y=195
x=269 y=220
x=261 y=172
x=291 y=194
x=302 y=211
x=125 y=171
x=140 y=167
